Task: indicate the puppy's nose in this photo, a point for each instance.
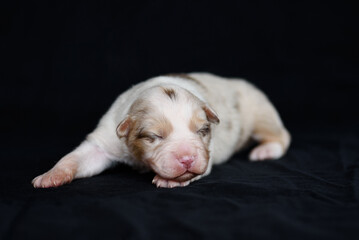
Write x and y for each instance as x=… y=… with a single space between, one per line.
x=187 y=161
x=185 y=155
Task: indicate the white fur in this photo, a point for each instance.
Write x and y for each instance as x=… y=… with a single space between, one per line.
x=239 y=105
x=271 y=150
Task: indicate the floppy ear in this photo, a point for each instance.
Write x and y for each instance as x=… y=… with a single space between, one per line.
x=123 y=128
x=211 y=114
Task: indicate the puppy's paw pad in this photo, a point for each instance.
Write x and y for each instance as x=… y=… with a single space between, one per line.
x=166 y=183
x=52 y=178
x=270 y=150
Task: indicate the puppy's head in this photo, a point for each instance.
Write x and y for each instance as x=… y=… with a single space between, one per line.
x=169 y=130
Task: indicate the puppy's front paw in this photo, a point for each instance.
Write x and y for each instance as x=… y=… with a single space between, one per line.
x=166 y=183
x=269 y=150
x=53 y=178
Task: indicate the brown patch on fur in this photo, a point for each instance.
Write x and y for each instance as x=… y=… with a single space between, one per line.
x=206 y=152
x=195 y=123
x=211 y=115
x=206 y=142
x=181 y=75
x=170 y=93
x=138 y=110
x=143 y=126
x=187 y=77
x=137 y=149
x=146 y=132
x=161 y=127
x=135 y=144
x=122 y=129
x=139 y=107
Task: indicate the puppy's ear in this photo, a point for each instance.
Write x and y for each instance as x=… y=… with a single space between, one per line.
x=123 y=128
x=211 y=114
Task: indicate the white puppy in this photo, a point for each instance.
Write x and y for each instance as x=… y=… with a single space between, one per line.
x=171 y=125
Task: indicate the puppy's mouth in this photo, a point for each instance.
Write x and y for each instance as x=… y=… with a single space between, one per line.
x=185 y=177
x=179 y=174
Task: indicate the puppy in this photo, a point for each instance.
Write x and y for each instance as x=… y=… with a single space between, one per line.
x=177 y=126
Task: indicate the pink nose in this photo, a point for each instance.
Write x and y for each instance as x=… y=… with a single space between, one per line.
x=187 y=161
x=186 y=155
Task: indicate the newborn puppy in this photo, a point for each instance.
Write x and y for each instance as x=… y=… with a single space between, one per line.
x=177 y=126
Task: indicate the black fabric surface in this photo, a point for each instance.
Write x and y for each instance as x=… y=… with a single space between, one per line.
x=63 y=64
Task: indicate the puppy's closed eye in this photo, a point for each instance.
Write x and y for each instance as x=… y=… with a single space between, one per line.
x=149 y=137
x=204 y=131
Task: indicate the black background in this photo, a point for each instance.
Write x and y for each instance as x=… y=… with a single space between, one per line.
x=64 y=63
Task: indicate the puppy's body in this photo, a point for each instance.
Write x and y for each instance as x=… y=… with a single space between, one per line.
x=169 y=124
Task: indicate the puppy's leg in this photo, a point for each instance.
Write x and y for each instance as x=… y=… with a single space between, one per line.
x=85 y=161
x=269 y=131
